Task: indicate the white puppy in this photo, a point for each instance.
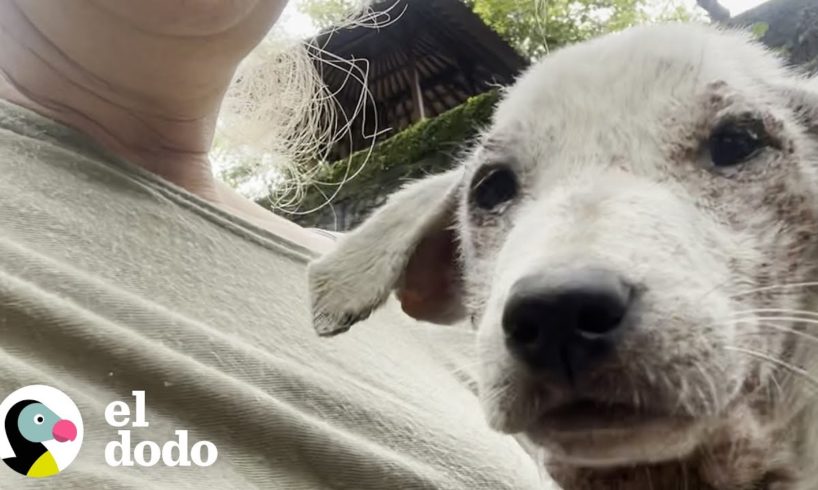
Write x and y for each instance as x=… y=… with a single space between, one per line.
x=628 y=239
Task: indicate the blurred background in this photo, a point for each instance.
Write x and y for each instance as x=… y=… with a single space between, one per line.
x=346 y=101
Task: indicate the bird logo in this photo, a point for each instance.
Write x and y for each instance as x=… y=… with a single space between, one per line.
x=43 y=431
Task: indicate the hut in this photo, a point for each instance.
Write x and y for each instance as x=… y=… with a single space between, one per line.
x=421 y=58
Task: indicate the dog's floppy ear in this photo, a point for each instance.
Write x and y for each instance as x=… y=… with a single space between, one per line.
x=407 y=245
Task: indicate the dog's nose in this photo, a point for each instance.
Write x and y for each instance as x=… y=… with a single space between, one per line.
x=564 y=323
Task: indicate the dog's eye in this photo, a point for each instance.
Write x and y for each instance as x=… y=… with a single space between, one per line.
x=493 y=186
x=733 y=142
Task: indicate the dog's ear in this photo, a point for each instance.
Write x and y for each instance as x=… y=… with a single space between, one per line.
x=408 y=245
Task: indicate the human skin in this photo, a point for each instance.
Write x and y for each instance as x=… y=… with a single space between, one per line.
x=144 y=79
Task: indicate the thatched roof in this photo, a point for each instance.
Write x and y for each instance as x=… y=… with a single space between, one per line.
x=792 y=27
x=437 y=54
x=782 y=17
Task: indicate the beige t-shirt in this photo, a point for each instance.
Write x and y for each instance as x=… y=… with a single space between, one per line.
x=112 y=280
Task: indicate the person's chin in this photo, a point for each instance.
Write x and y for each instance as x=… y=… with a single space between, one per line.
x=583 y=436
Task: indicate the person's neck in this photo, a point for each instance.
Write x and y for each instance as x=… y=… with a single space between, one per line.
x=168 y=131
x=179 y=155
x=158 y=111
x=172 y=144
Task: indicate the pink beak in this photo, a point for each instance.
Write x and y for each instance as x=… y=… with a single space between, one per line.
x=64 y=430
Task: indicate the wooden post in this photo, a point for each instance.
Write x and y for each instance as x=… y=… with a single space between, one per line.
x=419 y=112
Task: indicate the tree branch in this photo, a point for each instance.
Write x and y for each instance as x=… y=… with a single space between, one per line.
x=716 y=11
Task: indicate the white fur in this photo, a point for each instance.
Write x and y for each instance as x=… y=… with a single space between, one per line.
x=341 y=299
x=606 y=138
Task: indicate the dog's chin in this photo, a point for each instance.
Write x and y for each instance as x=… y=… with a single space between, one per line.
x=587 y=435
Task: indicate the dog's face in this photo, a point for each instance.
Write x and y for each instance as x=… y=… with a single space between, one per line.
x=631 y=195
x=625 y=229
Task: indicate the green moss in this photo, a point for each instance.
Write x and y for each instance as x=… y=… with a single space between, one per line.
x=413 y=152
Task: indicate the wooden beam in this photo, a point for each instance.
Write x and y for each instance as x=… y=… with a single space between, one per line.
x=414 y=86
x=413 y=77
x=448 y=76
x=446 y=96
x=718 y=13
x=469 y=45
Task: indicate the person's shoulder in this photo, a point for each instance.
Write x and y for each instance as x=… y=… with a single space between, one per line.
x=30 y=136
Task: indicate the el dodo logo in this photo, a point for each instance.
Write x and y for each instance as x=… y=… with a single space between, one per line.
x=41 y=431
x=177 y=452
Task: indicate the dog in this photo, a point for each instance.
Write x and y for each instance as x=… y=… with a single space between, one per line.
x=634 y=241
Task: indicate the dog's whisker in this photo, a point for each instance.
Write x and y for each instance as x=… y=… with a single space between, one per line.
x=754 y=320
x=711 y=384
x=462 y=368
x=777 y=384
x=756 y=311
x=760 y=321
x=787 y=330
x=775 y=287
x=764 y=357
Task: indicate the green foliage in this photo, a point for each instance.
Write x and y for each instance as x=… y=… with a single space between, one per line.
x=237 y=173
x=536 y=26
x=433 y=140
x=759 y=29
x=328 y=13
